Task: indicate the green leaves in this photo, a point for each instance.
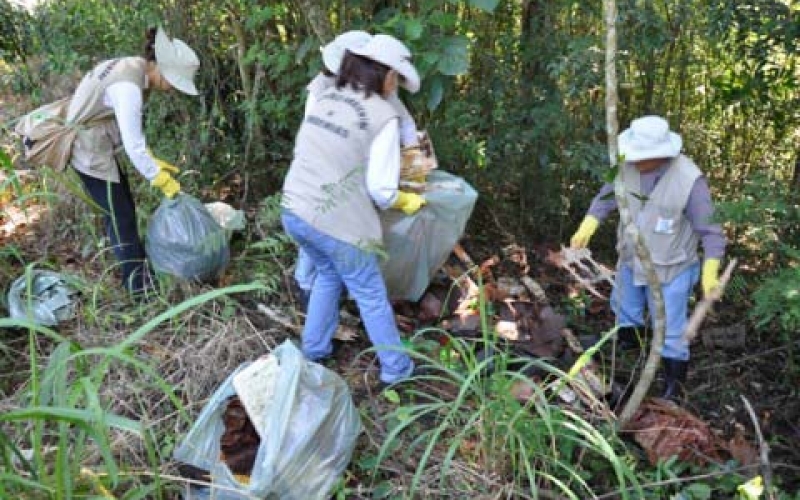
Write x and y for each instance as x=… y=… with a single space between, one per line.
x=454 y=56
x=487 y=5
x=413 y=29
x=435 y=93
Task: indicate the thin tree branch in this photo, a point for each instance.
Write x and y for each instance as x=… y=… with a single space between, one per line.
x=763 y=448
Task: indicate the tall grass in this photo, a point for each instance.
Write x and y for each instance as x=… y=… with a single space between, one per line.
x=57 y=441
x=529 y=447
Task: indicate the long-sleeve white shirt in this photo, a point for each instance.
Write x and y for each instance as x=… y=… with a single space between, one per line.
x=125 y=98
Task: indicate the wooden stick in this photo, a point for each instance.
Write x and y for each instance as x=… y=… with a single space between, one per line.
x=701 y=310
x=763 y=447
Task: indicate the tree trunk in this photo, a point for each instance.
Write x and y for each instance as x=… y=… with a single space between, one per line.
x=612 y=127
x=316 y=13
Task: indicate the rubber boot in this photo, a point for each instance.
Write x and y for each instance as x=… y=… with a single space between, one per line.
x=674 y=379
x=630 y=337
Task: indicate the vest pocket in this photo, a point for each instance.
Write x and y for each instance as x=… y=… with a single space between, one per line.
x=663 y=230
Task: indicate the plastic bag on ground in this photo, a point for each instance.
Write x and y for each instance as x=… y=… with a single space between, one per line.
x=308 y=432
x=418 y=245
x=48 y=301
x=226 y=216
x=184 y=240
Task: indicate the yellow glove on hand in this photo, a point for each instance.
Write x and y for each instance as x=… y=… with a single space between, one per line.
x=166 y=183
x=710 y=278
x=584 y=233
x=409 y=203
x=164 y=165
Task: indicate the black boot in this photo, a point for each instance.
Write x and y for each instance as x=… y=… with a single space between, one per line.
x=631 y=337
x=674 y=379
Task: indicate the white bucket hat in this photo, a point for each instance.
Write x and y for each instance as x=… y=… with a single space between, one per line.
x=177 y=62
x=390 y=51
x=648 y=138
x=333 y=53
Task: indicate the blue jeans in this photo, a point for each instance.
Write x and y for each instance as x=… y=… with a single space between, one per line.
x=628 y=302
x=341 y=264
x=304 y=271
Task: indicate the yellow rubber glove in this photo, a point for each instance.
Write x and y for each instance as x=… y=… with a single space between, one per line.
x=710 y=278
x=409 y=203
x=752 y=489
x=166 y=183
x=164 y=165
x=584 y=233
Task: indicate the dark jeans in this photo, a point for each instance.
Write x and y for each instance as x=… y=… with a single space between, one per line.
x=116 y=200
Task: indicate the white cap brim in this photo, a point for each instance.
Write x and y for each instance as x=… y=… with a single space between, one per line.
x=633 y=151
x=333 y=53
x=410 y=80
x=391 y=52
x=177 y=62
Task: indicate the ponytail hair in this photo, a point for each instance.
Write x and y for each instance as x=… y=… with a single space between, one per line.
x=150 y=44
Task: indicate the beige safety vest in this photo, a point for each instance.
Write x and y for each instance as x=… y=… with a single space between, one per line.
x=661 y=220
x=98 y=137
x=326 y=183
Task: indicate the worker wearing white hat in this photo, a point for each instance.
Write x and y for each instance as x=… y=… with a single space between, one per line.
x=671 y=206
x=332 y=55
x=346 y=166
x=107 y=107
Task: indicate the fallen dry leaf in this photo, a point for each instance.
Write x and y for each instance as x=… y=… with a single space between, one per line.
x=741 y=449
x=664 y=430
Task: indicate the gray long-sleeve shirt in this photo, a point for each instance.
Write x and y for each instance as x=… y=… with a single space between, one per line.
x=699 y=210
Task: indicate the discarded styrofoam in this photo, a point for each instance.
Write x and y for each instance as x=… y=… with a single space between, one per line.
x=226 y=216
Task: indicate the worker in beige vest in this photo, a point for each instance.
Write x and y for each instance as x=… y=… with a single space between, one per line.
x=671 y=206
x=108 y=103
x=346 y=167
x=332 y=55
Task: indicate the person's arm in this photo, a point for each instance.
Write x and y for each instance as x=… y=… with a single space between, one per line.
x=383 y=166
x=603 y=203
x=408 y=127
x=125 y=98
x=700 y=212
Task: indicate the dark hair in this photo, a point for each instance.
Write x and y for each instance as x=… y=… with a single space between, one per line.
x=150 y=44
x=361 y=74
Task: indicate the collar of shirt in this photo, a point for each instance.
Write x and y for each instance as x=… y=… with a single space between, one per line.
x=651 y=178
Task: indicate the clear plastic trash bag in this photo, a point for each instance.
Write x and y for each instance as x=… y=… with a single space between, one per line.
x=417 y=245
x=49 y=300
x=184 y=240
x=308 y=431
x=226 y=216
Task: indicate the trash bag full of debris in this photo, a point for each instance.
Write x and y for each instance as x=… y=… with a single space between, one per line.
x=418 y=244
x=184 y=240
x=43 y=297
x=300 y=437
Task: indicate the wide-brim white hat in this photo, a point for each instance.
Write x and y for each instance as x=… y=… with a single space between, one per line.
x=647 y=138
x=390 y=51
x=333 y=53
x=177 y=62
